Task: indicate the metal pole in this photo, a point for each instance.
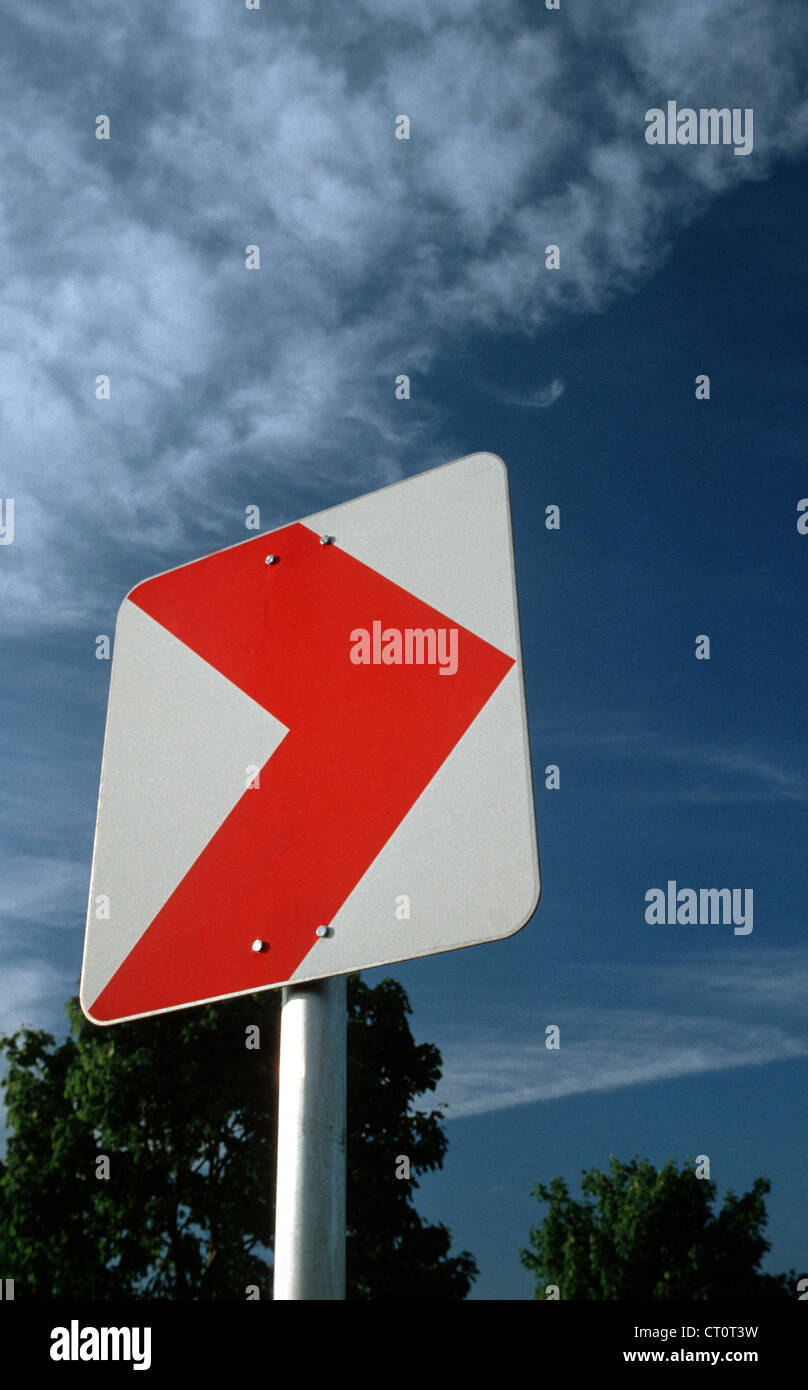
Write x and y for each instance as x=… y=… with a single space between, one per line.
x=312 y=1109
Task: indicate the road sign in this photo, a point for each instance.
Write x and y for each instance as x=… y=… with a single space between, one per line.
x=316 y=754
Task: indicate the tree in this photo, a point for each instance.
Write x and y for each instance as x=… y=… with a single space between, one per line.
x=141 y=1158
x=643 y=1234
x=391 y=1253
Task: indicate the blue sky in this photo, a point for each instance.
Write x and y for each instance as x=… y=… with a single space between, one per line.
x=678 y=517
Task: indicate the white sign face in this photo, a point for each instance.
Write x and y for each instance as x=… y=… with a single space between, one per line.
x=316 y=757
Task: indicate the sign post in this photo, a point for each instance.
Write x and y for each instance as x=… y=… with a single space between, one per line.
x=315 y=762
x=310 y=1188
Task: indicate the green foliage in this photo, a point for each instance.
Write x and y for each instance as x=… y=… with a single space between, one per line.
x=643 y=1233
x=391 y=1253
x=187 y=1115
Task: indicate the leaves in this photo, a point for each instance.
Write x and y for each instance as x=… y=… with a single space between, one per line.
x=643 y=1233
x=187 y=1116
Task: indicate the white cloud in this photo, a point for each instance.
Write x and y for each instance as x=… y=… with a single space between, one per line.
x=700 y=770
x=618 y=1049
x=232 y=127
x=43 y=889
x=701 y=1024
x=33 y=996
x=539 y=399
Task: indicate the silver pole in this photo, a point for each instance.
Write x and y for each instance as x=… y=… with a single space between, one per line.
x=312 y=1108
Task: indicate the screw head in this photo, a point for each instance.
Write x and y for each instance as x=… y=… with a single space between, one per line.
x=322 y=931
x=272 y=559
x=326 y=540
x=260 y=946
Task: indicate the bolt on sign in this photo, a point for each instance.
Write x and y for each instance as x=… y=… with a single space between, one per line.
x=316 y=755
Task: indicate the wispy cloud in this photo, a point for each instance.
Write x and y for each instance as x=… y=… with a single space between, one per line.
x=43 y=889
x=539 y=399
x=698 y=1023
x=33 y=996
x=276 y=127
x=698 y=770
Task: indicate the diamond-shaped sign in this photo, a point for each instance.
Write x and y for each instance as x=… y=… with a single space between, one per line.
x=316 y=753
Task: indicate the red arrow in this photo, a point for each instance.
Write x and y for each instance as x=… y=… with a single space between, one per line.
x=363 y=743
